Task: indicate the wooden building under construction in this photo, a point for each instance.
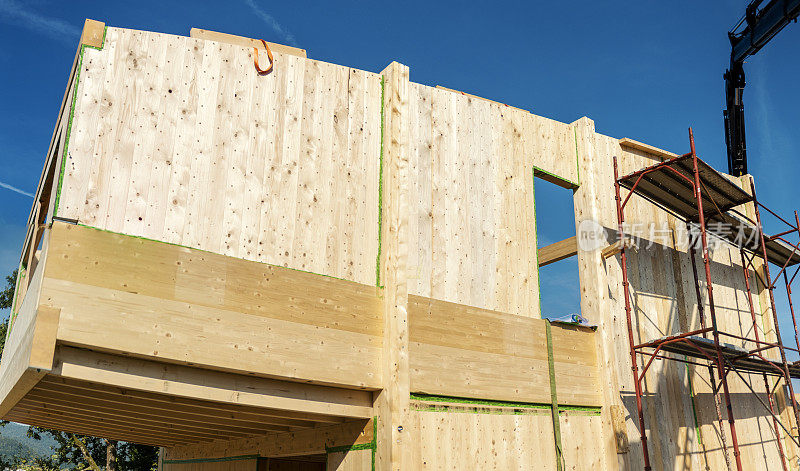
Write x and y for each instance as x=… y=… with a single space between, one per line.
x=318 y=267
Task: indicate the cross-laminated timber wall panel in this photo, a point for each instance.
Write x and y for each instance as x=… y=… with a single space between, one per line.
x=181 y=140
x=473 y=223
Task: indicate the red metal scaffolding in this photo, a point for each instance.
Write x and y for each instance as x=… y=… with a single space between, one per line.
x=683 y=186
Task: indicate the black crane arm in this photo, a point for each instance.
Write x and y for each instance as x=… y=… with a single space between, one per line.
x=761 y=26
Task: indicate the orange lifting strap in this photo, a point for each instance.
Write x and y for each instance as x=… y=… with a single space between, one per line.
x=255 y=58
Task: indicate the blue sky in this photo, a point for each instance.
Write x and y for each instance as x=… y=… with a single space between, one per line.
x=645 y=70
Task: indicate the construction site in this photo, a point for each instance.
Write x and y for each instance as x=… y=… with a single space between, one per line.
x=258 y=261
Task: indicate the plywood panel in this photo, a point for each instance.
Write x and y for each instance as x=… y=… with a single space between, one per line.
x=181 y=140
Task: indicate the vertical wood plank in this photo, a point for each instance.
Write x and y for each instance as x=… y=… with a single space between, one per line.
x=147 y=101
x=185 y=149
x=79 y=190
x=169 y=91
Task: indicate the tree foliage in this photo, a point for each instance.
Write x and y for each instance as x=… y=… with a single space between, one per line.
x=6 y=299
x=68 y=456
x=7 y=295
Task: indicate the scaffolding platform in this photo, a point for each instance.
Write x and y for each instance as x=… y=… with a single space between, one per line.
x=707 y=201
x=670 y=185
x=703 y=348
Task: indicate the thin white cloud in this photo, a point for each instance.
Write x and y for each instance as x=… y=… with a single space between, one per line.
x=271 y=21
x=16 y=13
x=15 y=189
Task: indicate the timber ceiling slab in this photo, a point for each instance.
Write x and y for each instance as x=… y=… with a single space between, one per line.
x=146 y=417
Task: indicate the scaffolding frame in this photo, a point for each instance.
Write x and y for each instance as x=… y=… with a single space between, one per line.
x=667 y=184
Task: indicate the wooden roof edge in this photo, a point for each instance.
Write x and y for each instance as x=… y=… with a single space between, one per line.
x=479 y=97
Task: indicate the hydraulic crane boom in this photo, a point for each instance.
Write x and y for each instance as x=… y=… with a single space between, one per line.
x=761 y=26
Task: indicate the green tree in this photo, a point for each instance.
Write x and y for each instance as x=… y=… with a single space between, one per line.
x=7 y=295
x=6 y=299
x=83 y=452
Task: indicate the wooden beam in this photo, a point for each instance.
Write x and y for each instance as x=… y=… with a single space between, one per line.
x=558 y=251
x=22 y=368
x=615 y=248
x=43 y=345
x=195 y=383
x=244 y=42
x=48 y=181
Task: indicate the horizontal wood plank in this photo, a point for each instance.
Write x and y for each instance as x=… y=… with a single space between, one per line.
x=458 y=350
x=121 y=294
